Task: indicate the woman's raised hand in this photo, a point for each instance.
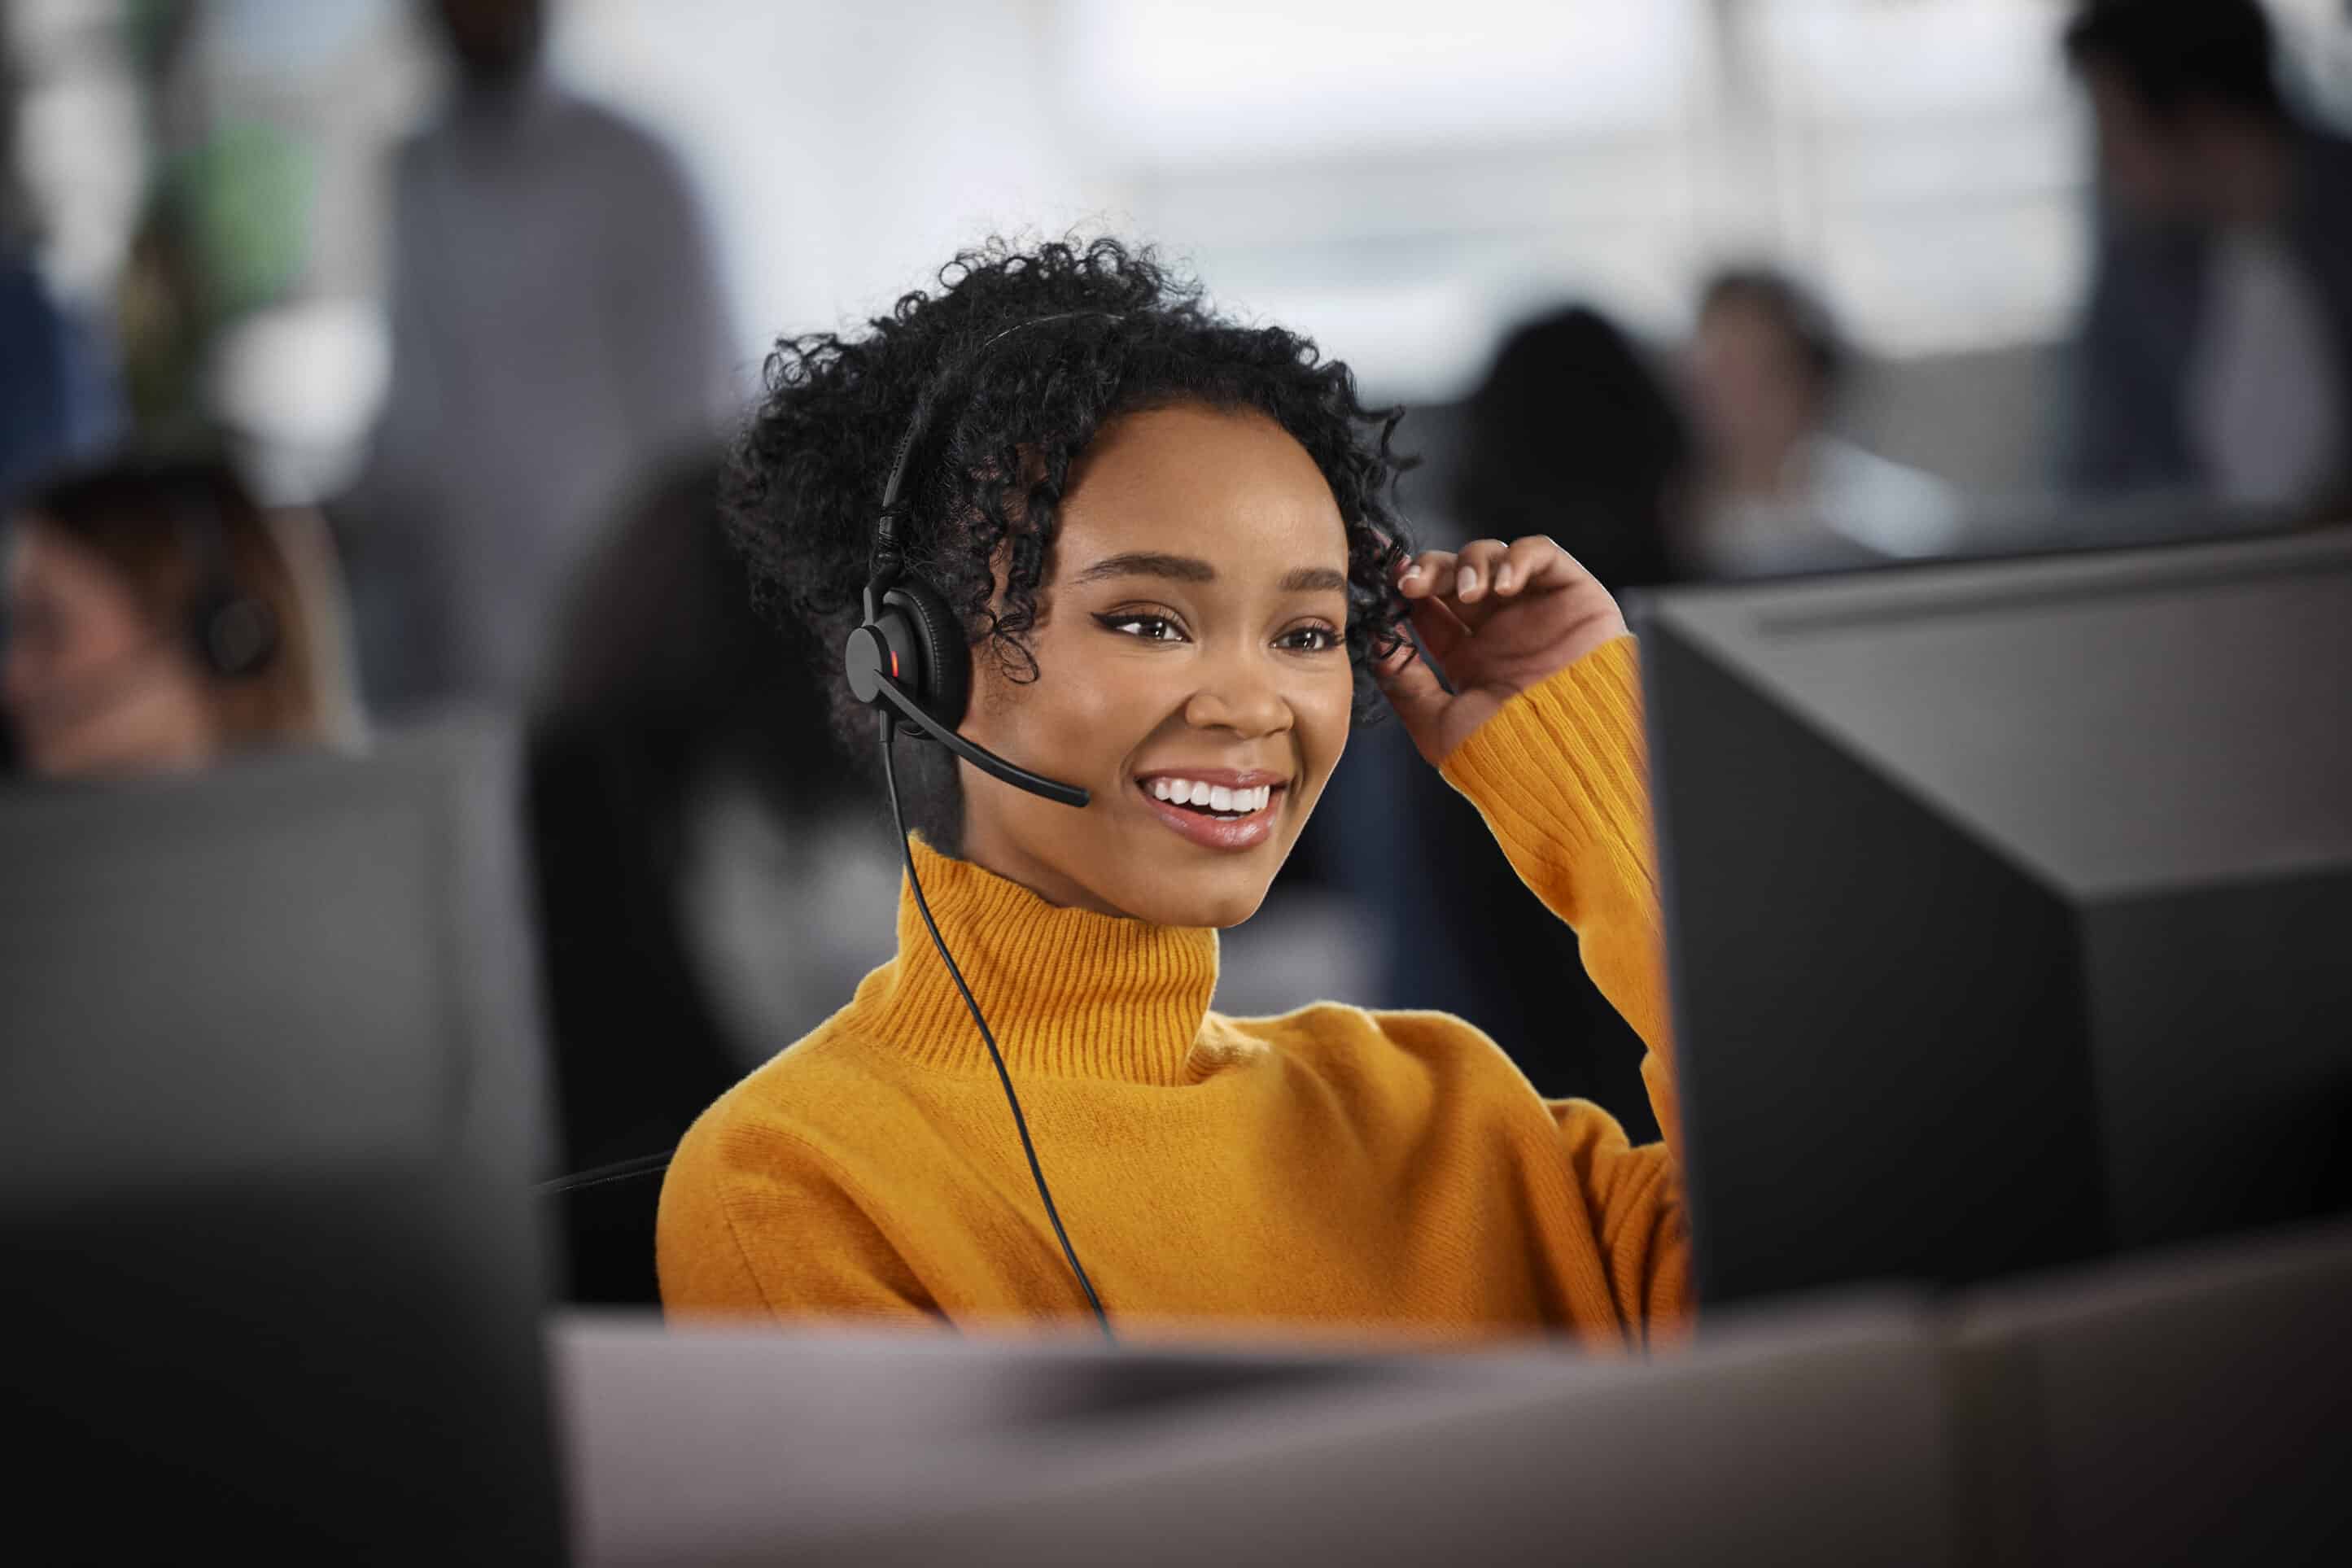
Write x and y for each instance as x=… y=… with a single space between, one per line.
x=1498 y=618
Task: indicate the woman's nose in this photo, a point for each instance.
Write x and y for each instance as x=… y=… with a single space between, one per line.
x=1239 y=693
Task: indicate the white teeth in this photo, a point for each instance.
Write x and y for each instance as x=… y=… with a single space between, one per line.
x=1215 y=797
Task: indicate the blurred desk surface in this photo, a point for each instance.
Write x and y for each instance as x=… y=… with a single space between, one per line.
x=2197 y=1408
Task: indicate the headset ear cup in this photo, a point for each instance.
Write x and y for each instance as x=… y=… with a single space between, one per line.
x=943 y=685
x=235 y=635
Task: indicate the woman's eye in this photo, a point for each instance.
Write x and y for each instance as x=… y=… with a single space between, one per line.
x=1151 y=628
x=1309 y=640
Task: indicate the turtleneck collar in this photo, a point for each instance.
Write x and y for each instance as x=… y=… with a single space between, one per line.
x=1067 y=992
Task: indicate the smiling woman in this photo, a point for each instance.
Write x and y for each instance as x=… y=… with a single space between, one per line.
x=1224 y=666
x=1168 y=537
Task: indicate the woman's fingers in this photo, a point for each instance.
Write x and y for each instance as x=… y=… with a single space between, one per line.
x=1427 y=583
x=1535 y=560
x=1471 y=583
x=1414 y=691
x=1428 y=573
x=1484 y=566
x=1474 y=573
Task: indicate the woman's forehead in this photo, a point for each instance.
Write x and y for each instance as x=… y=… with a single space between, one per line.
x=1230 y=488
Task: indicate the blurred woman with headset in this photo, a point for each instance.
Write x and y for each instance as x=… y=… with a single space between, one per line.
x=157 y=619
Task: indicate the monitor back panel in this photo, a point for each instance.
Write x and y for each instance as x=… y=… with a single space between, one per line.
x=271 y=1113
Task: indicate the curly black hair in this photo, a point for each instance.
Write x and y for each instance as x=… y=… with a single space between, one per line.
x=1007 y=423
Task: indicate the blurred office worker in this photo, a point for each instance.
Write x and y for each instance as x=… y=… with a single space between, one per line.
x=1782 y=493
x=1574 y=435
x=157 y=619
x=56 y=391
x=556 y=333
x=2219 y=338
x=710 y=882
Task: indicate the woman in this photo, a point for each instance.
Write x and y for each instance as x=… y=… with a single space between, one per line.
x=1783 y=493
x=1167 y=538
x=157 y=619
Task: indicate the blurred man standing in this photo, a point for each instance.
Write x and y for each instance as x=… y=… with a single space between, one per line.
x=2219 y=343
x=557 y=332
x=56 y=391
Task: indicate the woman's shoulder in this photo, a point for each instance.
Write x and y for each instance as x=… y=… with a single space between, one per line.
x=1407 y=1049
x=798 y=1137
x=796 y=1092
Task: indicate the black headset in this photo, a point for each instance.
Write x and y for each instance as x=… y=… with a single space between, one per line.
x=232 y=634
x=908 y=658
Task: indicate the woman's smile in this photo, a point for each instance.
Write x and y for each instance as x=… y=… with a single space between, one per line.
x=1216 y=807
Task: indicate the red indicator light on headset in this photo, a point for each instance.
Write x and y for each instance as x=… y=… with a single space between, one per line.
x=894 y=663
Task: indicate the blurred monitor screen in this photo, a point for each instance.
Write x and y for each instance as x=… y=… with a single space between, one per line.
x=269 y=1118
x=2007 y=907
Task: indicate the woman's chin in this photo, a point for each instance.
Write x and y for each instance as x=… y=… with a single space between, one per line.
x=1222 y=898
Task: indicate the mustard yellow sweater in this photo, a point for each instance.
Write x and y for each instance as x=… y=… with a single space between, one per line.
x=1329 y=1169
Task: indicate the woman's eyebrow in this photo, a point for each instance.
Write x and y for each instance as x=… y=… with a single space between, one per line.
x=1314 y=580
x=1149 y=563
x=1192 y=569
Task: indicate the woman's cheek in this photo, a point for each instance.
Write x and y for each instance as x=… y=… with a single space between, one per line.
x=1324 y=714
x=1105 y=716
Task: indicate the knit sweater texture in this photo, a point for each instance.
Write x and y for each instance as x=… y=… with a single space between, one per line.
x=1331 y=1170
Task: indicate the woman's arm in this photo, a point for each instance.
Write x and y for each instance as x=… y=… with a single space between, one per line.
x=1558 y=776
x=1543 y=732
x=753 y=1221
x=1561 y=779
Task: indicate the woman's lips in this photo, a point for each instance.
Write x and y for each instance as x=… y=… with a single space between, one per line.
x=1215 y=832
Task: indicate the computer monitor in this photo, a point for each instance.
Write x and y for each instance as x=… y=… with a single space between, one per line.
x=2009 y=907
x=268 y=1114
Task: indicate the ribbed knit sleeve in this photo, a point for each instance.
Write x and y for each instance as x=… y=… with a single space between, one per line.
x=1560 y=776
x=753 y=1222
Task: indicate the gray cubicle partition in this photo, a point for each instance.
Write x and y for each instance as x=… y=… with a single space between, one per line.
x=270 y=1106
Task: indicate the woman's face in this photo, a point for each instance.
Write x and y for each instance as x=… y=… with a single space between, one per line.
x=91 y=683
x=1191 y=638
x=1749 y=383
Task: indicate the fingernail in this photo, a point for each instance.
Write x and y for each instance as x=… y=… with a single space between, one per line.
x=1502 y=578
x=1469 y=579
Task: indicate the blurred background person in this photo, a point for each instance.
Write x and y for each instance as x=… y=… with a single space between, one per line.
x=556 y=331
x=157 y=621
x=1782 y=492
x=713 y=875
x=1573 y=434
x=2218 y=342
x=57 y=385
